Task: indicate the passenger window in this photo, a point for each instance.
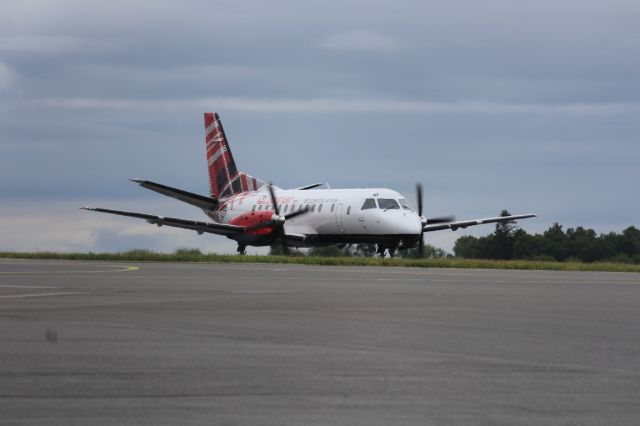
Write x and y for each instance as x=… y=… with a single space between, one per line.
x=253 y=209
x=286 y=206
x=313 y=207
x=260 y=207
x=349 y=210
x=369 y=203
x=332 y=207
x=319 y=208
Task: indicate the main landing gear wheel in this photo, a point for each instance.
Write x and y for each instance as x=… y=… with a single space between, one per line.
x=242 y=249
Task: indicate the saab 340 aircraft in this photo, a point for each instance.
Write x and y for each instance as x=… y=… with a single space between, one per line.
x=255 y=213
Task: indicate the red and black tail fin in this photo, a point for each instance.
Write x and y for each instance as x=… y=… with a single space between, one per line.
x=224 y=178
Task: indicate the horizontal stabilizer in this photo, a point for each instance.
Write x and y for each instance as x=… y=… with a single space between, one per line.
x=465 y=223
x=206 y=203
x=199 y=227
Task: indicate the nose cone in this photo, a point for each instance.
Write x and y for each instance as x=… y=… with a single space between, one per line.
x=408 y=224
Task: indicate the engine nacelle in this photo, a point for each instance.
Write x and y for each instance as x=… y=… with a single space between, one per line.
x=255 y=218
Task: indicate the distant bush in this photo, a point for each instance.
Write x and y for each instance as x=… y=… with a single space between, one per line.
x=575 y=245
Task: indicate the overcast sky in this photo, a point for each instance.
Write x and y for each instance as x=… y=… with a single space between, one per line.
x=528 y=106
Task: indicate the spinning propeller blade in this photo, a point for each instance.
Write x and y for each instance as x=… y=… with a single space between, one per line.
x=278 y=220
x=425 y=221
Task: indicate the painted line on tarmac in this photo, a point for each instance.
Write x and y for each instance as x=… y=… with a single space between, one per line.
x=124 y=268
x=23 y=296
x=26 y=286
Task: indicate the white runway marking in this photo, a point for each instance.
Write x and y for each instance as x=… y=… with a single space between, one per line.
x=25 y=286
x=122 y=268
x=22 y=296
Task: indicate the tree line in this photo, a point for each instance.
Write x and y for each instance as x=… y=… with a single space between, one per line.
x=575 y=244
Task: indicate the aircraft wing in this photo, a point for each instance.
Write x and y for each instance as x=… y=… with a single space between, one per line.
x=295 y=240
x=201 y=201
x=465 y=223
x=313 y=185
x=199 y=227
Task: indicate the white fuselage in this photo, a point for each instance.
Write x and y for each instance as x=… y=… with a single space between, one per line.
x=334 y=215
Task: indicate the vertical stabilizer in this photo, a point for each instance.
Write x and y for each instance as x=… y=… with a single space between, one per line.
x=224 y=177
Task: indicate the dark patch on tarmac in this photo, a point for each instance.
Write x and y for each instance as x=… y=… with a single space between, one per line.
x=95 y=343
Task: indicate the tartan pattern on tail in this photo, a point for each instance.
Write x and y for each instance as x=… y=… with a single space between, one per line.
x=224 y=178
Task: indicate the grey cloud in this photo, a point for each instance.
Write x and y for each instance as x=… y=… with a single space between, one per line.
x=310 y=106
x=7 y=77
x=47 y=45
x=360 y=40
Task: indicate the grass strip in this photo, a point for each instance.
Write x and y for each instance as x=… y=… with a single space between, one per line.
x=196 y=256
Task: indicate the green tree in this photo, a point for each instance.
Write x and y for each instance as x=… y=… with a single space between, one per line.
x=502 y=240
x=630 y=241
x=583 y=244
x=555 y=242
x=468 y=247
x=527 y=246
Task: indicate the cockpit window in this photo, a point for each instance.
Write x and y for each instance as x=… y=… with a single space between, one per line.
x=405 y=204
x=388 y=203
x=369 y=203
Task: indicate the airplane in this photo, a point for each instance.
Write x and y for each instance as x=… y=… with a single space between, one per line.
x=254 y=212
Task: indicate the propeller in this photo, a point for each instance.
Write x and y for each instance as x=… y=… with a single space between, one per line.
x=422 y=219
x=425 y=221
x=277 y=220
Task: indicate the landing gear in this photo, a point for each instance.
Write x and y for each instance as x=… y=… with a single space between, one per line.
x=242 y=249
x=381 y=250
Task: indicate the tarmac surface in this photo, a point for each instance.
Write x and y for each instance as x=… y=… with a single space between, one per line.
x=84 y=343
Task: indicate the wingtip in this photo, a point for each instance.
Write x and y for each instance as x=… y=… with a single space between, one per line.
x=87 y=208
x=137 y=180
